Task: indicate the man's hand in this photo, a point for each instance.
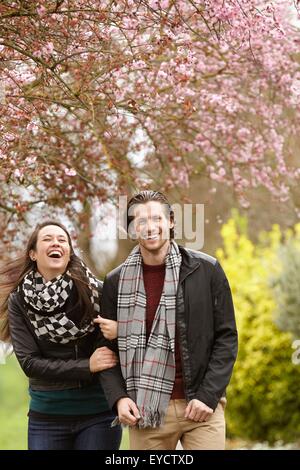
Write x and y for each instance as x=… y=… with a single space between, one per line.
x=108 y=327
x=197 y=411
x=127 y=411
x=102 y=358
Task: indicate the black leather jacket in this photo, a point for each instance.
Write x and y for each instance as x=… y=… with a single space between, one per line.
x=50 y=366
x=205 y=324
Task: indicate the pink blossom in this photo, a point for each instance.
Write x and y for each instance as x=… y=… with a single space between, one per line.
x=30 y=160
x=243 y=133
x=17 y=173
x=41 y=10
x=180 y=176
x=162 y=75
x=9 y=137
x=47 y=49
x=70 y=172
x=164 y=4
x=154 y=4
x=2 y=155
x=33 y=127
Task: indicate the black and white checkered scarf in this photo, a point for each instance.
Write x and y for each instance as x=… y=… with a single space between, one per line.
x=45 y=303
x=148 y=369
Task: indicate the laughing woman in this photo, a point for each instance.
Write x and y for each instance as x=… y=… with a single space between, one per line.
x=49 y=301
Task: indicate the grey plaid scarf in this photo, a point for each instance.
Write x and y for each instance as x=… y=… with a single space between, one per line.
x=45 y=306
x=148 y=369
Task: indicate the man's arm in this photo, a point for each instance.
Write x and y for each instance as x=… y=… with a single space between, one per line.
x=111 y=380
x=225 y=347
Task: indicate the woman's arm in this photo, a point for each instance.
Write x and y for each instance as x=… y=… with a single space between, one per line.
x=112 y=380
x=109 y=328
x=30 y=357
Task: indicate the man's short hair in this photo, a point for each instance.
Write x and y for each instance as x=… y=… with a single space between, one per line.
x=146 y=196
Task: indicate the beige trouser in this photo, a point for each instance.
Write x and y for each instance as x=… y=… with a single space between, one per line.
x=208 y=435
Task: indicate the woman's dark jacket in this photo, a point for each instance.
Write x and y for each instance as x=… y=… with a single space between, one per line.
x=205 y=324
x=50 y=366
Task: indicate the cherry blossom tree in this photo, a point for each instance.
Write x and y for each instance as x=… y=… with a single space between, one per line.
x=98 y=97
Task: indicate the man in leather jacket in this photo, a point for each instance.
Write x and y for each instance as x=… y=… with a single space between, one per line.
x=181 y=395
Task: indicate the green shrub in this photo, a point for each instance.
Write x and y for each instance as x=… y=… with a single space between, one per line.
x=286 y=287
x=263 y=396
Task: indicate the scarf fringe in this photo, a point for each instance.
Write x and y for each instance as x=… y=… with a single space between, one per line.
x=149 y=419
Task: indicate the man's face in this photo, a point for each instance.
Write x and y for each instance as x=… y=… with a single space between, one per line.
x=151 y=225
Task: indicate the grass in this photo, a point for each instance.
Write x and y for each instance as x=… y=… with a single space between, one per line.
x=14 y=407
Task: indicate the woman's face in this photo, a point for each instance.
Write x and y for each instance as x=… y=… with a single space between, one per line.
x=52 y=252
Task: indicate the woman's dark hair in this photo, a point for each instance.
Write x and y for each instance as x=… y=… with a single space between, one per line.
x=146 y=196
x=13 y=273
